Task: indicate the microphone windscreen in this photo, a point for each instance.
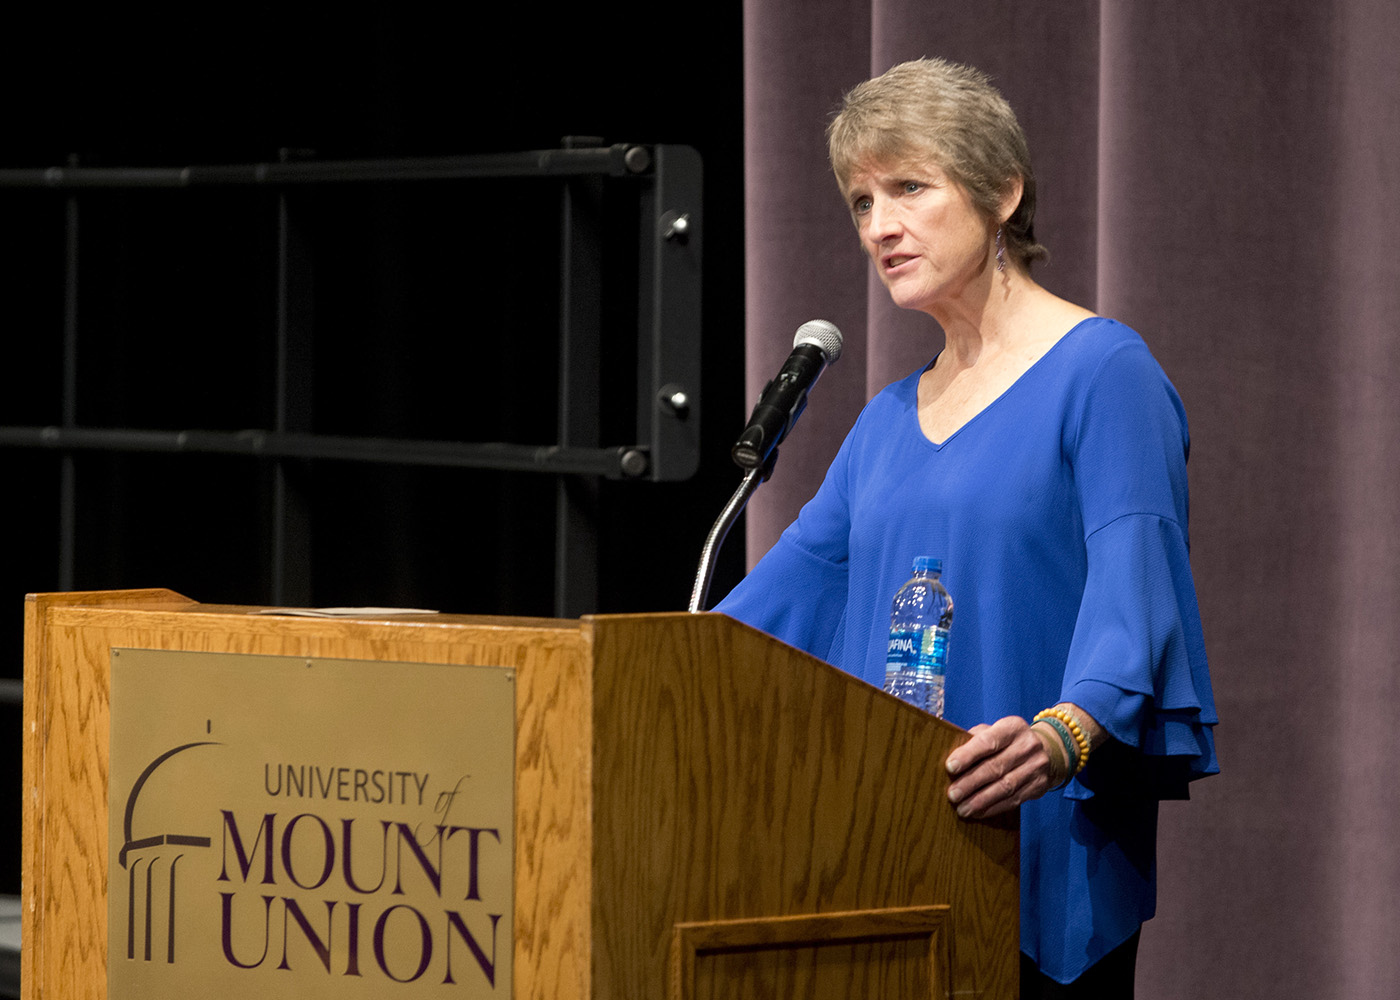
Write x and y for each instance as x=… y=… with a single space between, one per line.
x=822 y=335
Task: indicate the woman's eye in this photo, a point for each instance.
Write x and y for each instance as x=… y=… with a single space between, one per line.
x=861 y=205
x=912 y=187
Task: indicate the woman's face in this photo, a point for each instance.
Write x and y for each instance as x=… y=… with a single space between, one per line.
x=927 y=240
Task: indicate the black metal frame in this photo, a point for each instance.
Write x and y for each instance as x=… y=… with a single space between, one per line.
x=666 y=448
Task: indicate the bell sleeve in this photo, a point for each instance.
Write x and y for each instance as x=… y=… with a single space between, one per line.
x=1137 y=660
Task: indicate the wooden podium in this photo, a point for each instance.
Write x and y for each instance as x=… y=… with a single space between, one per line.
x=700 y=811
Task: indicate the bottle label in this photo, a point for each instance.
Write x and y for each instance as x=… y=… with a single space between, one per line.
x=915 y=666
x=934 y=650
x=912 y=648
x=906 y=645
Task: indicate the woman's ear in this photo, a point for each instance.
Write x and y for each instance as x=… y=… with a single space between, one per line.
x=1010 y=198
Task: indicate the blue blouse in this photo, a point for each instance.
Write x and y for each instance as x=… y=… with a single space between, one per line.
x=1060 y=514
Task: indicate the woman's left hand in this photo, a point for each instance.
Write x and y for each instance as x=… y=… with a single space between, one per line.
x=1003 y=765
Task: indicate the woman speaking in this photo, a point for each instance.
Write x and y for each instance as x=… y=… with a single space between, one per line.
x=1041 y=455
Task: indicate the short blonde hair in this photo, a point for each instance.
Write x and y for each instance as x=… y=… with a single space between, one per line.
x=950 y=113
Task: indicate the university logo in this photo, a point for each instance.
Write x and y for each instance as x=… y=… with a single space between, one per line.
x=325 y=835
x=152 y=864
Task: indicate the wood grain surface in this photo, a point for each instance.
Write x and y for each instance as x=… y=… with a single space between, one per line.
x=894 y=954
x=671 y=770
x=68 y=638
x=736 y=778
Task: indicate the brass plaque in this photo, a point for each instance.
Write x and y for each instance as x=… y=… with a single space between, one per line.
x=303 y=828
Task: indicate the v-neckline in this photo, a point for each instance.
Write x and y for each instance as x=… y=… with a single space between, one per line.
x=938 y=445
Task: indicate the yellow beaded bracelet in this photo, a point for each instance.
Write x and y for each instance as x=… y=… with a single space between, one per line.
x=1081 y=739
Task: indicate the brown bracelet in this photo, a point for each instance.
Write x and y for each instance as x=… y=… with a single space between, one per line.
x=1067 y=741
x=1074 y=730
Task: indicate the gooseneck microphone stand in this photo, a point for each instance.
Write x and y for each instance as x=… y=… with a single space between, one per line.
x=817 y=344
x=753 y=479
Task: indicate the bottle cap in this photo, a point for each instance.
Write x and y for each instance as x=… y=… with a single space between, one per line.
x=928 y=564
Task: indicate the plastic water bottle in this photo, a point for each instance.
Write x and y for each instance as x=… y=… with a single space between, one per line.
x=918 y=654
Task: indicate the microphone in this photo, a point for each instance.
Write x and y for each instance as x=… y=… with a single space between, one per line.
x=817 y=344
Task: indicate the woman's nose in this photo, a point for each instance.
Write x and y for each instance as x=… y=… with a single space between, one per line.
x=882 y=222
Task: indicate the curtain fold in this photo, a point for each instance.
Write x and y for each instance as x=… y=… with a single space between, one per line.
x=799 y=242
x=1224 y=179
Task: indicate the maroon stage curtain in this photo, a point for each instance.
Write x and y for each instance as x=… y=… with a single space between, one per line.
x=1225 y=178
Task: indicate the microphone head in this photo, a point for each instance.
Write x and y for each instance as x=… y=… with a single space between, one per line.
x=822 y=335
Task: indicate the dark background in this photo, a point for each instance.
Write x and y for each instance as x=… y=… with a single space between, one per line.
x=435 y=305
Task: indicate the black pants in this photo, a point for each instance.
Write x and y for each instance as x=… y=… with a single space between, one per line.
x=1110 y=978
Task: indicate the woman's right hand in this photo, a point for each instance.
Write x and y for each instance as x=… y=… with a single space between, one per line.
x=1003 y=765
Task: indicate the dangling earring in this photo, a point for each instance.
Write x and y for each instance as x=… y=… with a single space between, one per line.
x=1001 y=252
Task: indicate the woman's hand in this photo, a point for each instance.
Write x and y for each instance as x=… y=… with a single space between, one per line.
x=1003 y=765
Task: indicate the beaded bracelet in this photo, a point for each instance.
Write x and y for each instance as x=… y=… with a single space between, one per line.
x=1071 y=750
x=1081 y=739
